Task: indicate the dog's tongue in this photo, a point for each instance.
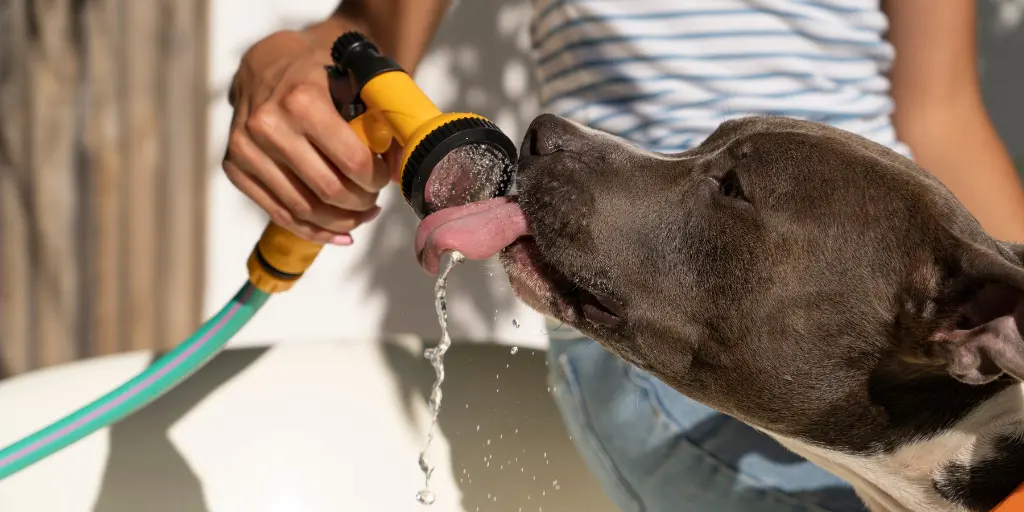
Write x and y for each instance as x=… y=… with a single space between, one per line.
x=477 y=230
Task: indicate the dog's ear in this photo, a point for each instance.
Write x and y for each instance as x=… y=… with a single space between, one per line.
x=987 y=342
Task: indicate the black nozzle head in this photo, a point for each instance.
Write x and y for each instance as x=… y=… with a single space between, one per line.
x=461 y=161
x=348 y=42
x=357 y=58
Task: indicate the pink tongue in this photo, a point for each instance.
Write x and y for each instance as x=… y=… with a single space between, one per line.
x=477 y=230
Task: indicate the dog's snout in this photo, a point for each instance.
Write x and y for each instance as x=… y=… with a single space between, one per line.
x=546 y=136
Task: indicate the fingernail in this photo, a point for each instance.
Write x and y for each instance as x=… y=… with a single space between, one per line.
x=341 y=240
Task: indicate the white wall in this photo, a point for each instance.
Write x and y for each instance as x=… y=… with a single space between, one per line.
x=478 y=64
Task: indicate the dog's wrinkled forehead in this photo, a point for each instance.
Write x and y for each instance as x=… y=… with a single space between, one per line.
x=771 y=257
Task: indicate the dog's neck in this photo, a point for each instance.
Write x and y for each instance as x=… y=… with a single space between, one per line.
x=968 y=468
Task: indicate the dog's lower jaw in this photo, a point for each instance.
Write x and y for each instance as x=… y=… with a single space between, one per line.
x=914 y=477
x=535 y=285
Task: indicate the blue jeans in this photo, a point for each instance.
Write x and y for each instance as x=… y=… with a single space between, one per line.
x=655 y=450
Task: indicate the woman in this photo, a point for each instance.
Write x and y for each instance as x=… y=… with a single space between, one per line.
x=662 y=73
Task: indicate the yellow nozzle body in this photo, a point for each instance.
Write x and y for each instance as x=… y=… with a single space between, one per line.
x=395 y=110
x=279 y=259
x=398 y=110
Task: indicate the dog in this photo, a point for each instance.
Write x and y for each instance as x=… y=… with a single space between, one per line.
x=816 y=285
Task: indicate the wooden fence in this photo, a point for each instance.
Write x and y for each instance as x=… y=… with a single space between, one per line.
x=102 y=176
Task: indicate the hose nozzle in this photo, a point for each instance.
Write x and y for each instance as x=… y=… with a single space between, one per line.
x=447 y=159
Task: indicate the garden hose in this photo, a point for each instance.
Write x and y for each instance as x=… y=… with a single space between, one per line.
x=387 y=107
x=162 y=376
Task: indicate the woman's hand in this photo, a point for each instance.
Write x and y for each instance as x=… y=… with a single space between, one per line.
x=290 y=151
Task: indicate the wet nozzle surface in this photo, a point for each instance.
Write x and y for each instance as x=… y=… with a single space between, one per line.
x=462 y=161
x=451 y=159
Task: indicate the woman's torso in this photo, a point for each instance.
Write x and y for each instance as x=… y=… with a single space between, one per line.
x=665 y=73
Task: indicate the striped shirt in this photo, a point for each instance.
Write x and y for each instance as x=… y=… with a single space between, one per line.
x=665 y=73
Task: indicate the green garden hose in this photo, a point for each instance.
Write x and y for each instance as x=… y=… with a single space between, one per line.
x=163 y=375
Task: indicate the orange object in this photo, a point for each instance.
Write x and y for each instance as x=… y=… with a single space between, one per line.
x=394 y=109
x=1013 y=503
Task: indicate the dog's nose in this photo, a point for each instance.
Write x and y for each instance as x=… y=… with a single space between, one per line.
x=545 y=136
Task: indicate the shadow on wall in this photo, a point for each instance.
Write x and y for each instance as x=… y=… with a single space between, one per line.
x=1000 y=41
x=481 y=50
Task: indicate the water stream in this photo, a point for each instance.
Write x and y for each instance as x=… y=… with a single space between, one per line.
x=436 y=357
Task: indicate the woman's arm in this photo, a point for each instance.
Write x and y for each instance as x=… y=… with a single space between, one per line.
x=288 y=149
x=940 y=114
x=403 y=29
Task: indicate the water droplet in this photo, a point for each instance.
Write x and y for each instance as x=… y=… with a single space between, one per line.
x=426 y=497
x=514 y=350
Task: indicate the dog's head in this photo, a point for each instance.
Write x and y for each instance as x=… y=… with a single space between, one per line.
x=796 y=276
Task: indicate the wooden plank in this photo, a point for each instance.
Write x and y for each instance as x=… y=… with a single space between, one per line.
x=15 y=238
x=184 y=143
x=53 y=75
x=103 y=141
x=201 y=158
x=140 y=58
x=104 y=253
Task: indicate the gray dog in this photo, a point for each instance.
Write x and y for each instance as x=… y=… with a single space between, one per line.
x=816 y=285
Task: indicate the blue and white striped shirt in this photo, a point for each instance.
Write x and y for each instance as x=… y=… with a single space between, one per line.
x=664 y=73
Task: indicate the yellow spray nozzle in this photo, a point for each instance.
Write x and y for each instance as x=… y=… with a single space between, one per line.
x=387 y=106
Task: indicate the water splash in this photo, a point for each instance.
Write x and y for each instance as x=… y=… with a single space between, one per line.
x=466 y=174
x=426 y=497
x=436 y=357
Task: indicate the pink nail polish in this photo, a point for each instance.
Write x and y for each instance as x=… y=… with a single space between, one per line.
x=341 y=240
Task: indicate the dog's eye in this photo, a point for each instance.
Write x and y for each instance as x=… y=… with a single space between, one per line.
x=729 y=186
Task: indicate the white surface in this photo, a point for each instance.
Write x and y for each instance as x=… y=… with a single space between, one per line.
x=337 y=299
x=310 y=427
x=281 y=436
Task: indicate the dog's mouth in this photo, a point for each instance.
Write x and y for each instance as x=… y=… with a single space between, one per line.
x=498 y=226
x=545 y=288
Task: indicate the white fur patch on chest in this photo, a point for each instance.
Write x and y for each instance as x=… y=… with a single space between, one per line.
x=904 y=481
